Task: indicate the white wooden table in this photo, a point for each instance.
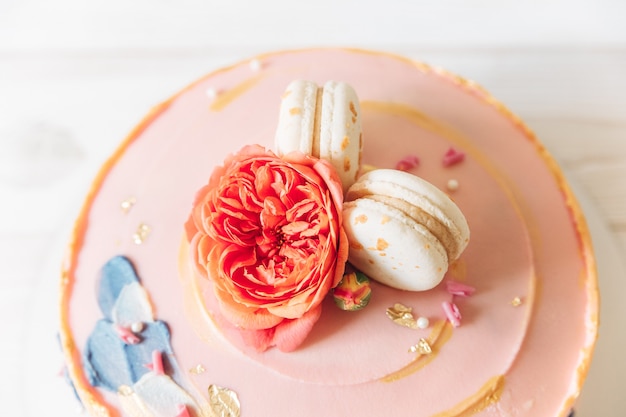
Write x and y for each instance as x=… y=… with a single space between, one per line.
x=76 y=76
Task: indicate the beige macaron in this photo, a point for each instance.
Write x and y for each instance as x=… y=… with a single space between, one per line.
x=323 y=122
x=403 y=231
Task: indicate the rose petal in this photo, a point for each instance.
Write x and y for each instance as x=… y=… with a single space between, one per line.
x=261 y=340
x=291 y=333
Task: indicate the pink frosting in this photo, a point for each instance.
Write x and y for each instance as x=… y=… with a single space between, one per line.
x=527 y=241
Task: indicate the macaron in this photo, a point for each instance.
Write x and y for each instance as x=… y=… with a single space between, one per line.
x=324 y=122
x=403 y=231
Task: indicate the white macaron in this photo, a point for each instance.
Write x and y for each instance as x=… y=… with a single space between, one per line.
x=322 y=122
x=403 y=231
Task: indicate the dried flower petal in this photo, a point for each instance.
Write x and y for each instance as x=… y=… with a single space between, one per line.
x=407 y=163
x=458 y=288
x=127 y=335
x=452 y=157
x=452 y=313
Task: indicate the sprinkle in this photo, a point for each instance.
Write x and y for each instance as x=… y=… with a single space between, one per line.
x=453 y=184
x=422 y=347
x=516 y=302
x=452 y=157
x=142 y=233
x=197 y=370
x=422 y=323
x=182 y=411
x=407 y=163
x=460 y=289
x=126 y=335
x=452 y=313
x=127 y=204
x=255 y=65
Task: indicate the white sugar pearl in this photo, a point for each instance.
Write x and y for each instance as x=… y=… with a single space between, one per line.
x=422 y=323
x=136 y=327
x=255 y=65
x=453 y=185
x=212 y=93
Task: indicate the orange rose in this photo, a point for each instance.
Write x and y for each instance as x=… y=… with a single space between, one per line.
x=267 y=232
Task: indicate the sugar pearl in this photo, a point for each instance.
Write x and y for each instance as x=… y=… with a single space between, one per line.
x=136 y=327
x=255 y=65
x=453 y=184
x=211 y=93
x=422 y=323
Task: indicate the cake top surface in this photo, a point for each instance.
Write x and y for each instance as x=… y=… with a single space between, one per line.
x=529 y=259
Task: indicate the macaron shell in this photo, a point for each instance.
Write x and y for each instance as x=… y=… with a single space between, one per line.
x=296 y=120
x=391 y=248
x=420 y=193
x=340 y=140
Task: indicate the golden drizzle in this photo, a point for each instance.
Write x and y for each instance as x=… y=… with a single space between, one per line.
x=227 y=97
x=441 y=333
x=487 y=394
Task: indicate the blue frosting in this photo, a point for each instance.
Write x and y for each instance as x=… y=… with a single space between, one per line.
x=115 y=274
x=109 y=361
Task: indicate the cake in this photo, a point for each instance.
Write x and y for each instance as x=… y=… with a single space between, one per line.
x=509 y=332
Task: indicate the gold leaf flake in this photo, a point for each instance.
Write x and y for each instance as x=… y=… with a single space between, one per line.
x=197 y=370
x=402 y=315
x=224 y=402
x=422 y=347
x=127 y=204
x=516 y=302
x=142 y=233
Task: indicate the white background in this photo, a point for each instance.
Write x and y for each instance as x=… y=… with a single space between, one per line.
x=77 y=75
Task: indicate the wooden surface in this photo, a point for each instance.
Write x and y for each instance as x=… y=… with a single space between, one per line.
x=76 y=76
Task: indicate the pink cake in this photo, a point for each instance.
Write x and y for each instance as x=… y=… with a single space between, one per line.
x=139 y=329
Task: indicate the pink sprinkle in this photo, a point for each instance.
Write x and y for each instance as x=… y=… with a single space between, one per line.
x=157 y=363
x=127 y=335
x=460 y=289
x=407 y=163
x=183 y=411
x=452 y=157
x=452 y=313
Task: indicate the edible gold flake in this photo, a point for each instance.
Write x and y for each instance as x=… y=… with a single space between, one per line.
x=142 y=233
x=402 y=315
x=224 y=402
x=422 y=347
x=127 y=204
x=197 y=370
x=516 y=302
x=125 y=390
